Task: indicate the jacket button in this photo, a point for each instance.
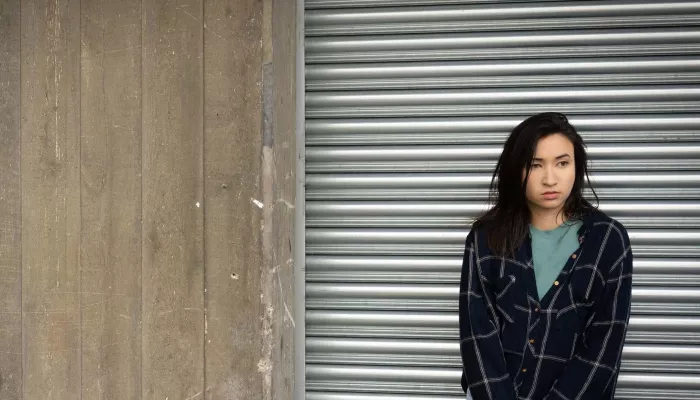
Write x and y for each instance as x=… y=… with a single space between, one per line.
x=537 y=309
x=532 y=341
x=573 y=256
x=556 y=283
x=524 y=369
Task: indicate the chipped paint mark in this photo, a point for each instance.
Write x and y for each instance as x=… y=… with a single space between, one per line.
x=284 y=301
x=289 y=261
x=216 y=34
x=264 y=366
x=184 y=11
x=197 y=204
x=118 y=50
x=257 y=203
x=196 y=395
x=285 y=202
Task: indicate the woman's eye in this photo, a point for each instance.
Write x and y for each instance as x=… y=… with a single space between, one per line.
x=535 y=166
x=564 y=163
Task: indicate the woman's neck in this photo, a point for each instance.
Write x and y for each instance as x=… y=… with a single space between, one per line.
x=545 y=220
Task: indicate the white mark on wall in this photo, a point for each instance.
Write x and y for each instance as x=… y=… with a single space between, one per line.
x=286 y=308
x=192 y=16
x=264 y=366
x=216 y=34
x=118 y=50
x=285 y=202
x=288 y=262
x=192 y=397
x=257 y=203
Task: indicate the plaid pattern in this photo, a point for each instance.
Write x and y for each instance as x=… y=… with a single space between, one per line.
x=566 y=345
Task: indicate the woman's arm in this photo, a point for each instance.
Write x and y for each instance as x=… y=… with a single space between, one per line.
x=480 y=345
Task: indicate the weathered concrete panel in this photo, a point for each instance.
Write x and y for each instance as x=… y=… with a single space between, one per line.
x=173 y=262
x=284 y=148
x=111 y=199
x=233 y=138
x=50 y=135
x=10 y=206
x=278 y=179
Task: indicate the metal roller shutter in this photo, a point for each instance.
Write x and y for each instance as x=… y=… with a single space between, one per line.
x=407 y=105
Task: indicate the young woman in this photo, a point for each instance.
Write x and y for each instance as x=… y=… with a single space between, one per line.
x=547 y=278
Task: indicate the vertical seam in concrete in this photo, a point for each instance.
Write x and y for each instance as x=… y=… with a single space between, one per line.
x=80 y=191
x=21 y=216
x=205 y=299
x=143 y=53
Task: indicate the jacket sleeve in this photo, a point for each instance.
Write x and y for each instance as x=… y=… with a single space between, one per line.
x=484 y=365
x=592 y=373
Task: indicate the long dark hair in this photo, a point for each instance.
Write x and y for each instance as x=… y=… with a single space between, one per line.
x=506 y=223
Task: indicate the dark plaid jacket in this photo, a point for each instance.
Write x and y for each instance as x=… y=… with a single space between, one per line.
x=564 y=346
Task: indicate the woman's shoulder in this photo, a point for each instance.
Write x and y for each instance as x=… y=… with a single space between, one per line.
x=478 y=237
x=600 y=222
x=607 y=233
x=476 y=229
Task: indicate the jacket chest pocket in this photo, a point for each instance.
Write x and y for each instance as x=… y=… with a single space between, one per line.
x=570 y=322
x=504 y=298
x=584 y=287
x=513 y=322
x=565 y=334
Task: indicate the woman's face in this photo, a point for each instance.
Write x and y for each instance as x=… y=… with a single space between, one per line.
x=552 y=174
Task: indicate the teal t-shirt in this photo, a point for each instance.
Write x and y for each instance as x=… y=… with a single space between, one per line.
x=551 y=250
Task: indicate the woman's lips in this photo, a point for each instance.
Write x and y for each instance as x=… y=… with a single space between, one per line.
x=551 y=195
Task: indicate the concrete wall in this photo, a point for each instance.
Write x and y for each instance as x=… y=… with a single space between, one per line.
x=147 y=158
